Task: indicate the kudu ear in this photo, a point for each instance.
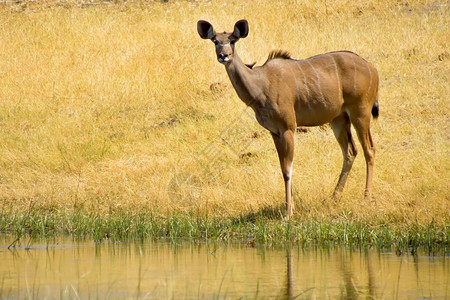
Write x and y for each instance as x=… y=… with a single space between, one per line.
x=205 y=30
x=241 y=29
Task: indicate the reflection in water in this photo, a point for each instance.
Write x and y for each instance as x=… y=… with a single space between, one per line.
x=371 y=288
x=289 y=292
x=64 y=269
x=350 y=291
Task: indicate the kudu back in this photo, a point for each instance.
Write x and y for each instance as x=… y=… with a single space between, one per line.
x=339 y=88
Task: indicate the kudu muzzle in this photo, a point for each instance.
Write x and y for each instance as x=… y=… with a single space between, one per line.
x=224 y=53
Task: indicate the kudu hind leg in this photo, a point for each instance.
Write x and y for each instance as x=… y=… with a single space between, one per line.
x=362 y=128
x=285 y=148
x=343 y=134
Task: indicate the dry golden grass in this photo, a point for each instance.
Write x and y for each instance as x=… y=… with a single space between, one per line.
x=108 y=106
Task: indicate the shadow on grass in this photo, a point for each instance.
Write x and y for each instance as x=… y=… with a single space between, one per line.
x=266 y=213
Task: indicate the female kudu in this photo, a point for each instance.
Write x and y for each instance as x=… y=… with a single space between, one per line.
x=339 y=88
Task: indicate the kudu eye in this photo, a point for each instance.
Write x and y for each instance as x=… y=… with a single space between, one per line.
x=216 y=42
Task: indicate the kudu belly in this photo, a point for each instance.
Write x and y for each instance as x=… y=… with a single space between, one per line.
x=319 y=106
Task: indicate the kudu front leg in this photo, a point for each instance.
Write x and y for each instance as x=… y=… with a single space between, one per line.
x=284 y=142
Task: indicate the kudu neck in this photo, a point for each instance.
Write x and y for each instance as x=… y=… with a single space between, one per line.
x=245 y=81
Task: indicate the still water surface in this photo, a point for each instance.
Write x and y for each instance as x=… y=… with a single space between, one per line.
x=64 y=269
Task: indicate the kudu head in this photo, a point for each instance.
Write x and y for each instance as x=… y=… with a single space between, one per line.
x=224 y=41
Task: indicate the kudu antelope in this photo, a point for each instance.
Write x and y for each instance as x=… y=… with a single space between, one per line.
x=339 y=88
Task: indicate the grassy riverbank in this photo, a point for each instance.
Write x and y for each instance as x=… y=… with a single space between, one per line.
x=255 y=229
x=116 y=119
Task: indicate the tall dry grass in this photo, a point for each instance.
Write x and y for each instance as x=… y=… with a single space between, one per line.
x=117 y=106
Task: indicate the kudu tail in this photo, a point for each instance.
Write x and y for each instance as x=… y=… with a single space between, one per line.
x=375 y=110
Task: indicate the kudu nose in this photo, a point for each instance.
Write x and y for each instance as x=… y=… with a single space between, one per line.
x=223 y=58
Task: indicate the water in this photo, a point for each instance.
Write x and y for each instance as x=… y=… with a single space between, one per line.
x=64 y=269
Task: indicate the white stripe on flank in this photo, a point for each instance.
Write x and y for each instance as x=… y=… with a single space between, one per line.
x=354 y=75
x=304 y=81
x=322 y=97
x=370 y=80
x=338 y=79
